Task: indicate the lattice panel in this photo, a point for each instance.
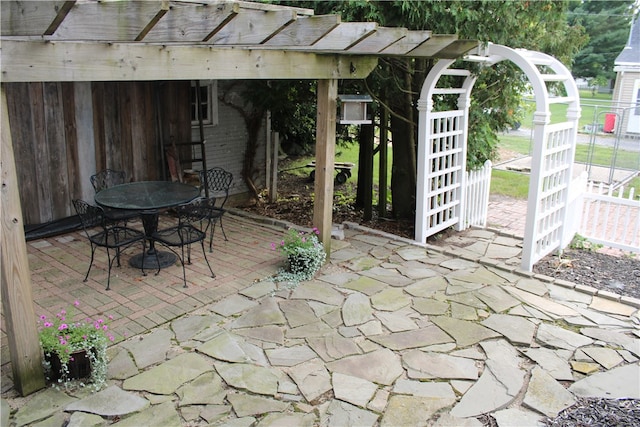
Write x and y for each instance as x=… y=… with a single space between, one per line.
x=444 y=161
x=551 y=204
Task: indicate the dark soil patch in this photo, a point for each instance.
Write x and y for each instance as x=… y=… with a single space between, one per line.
x=619 y=274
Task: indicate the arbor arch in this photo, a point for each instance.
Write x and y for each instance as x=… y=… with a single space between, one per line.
x=442 y=150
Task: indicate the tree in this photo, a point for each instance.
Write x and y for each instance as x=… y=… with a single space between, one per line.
x=396 y=82
x=607 y=25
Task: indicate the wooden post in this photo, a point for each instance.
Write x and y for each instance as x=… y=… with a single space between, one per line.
x=267 y=155
x=273 y=185
x=382 y=176
x=325 y=157
x=17 y=299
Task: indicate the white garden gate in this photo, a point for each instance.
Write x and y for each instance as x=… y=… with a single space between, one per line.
x=442 y=148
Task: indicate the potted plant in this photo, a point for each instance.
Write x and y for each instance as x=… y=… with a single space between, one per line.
x=304 y=255
x=75 y=350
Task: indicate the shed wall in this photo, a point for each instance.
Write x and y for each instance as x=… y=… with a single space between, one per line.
x=63 y=132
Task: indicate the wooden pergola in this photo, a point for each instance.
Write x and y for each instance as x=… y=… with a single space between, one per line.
x=73 y=41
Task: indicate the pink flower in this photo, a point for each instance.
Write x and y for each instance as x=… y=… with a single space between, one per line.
x=43 y=317
x=273 y=246
x=63 y=326
x=315 y=230
x=76 y=303
x=110 y=317
x=48 y=324
x=63 y=341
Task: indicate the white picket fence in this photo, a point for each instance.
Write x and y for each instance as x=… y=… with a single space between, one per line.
x=596 y=212
x=477 y=196
x=609 y=219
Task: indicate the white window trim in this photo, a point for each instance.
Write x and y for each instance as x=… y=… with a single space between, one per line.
x=211 y=119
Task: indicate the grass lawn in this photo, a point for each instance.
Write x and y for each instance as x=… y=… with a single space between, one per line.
x=593 y=111
x=508 y=183
x=512 y=183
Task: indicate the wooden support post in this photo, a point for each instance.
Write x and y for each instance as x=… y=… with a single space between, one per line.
x=17 y=299
x=267 y=155
x=325 y=157
x=273 y=185
x=382 y=175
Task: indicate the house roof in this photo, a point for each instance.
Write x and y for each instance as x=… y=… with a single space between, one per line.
x=630 y=55
x=181 y=35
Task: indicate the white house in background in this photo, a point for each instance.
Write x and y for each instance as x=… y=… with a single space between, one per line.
x=626 y=92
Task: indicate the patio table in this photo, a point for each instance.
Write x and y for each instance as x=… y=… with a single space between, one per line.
x=148 y=197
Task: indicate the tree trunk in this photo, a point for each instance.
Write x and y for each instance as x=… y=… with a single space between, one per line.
x=364 y=198
x=403 y=170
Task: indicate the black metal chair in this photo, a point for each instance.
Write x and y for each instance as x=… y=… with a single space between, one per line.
x=185 y=233
x=103 y=234
x=216 y=183
x=107 y=178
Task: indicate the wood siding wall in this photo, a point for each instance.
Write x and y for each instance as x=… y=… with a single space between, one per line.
x=623 y=94
x=63 y=133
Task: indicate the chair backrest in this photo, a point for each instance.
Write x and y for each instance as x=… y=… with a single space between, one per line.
x=197 y=211
x=107 y=178
x=90 y=216
x=216 y=182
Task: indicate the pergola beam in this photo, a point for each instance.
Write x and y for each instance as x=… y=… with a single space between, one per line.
x=36 y=61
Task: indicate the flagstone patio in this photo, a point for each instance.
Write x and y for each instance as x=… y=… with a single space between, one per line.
x=389 y=333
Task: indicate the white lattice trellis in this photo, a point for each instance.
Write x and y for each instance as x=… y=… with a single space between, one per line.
x=442 y=142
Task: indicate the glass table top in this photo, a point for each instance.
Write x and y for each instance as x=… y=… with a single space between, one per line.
x=146 y=195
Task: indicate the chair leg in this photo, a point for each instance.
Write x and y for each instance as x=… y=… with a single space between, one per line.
x=110 y=263
x=144 y=251
x=223 y=233
x=204 y=252
x=157 y=262
x=93 y=250
x=184 y=272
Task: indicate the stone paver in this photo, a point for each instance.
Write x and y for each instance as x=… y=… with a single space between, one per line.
x=388 y=334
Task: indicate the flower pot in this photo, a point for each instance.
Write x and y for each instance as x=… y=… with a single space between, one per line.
x=297 y=263
x=79 y=366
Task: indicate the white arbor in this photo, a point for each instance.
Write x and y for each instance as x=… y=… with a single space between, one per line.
x=442 y=148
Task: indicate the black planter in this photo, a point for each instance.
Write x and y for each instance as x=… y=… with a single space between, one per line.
x=79 y=366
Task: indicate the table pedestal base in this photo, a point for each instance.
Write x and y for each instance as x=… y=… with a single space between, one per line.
x=165 y=259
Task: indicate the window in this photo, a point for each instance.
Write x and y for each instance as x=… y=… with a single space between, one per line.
x=208 y=103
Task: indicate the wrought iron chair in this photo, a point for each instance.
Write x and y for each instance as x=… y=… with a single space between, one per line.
x=103 y=234
x=216 y=182
x=185 y=233
x=107 y=178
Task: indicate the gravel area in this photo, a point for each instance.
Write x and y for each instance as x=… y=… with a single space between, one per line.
x=598 y=412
